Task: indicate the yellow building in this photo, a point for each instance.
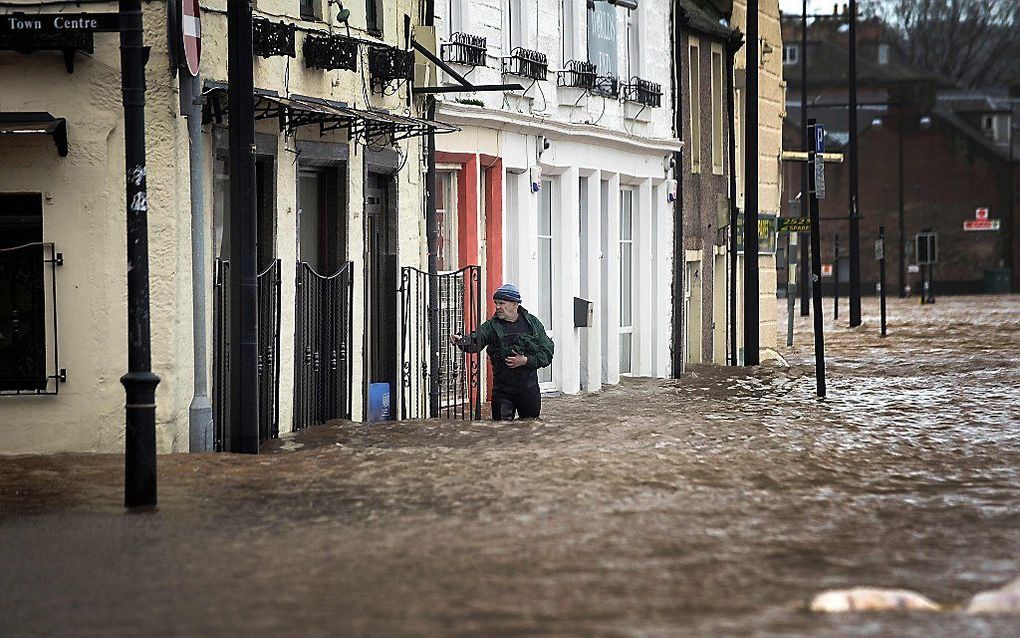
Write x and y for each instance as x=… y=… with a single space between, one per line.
x=339 y=194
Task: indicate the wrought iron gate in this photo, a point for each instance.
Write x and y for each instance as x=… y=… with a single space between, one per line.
x=268 y=353
x=323 y=362
x=439 y=380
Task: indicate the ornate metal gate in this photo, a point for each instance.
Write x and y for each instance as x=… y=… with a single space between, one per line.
x=268 y=349
x=439 y=380
x=323 y=363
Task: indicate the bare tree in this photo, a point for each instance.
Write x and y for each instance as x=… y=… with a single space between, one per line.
x=974 y=43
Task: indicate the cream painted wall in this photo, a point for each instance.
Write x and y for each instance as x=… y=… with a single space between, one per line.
x=84 y=215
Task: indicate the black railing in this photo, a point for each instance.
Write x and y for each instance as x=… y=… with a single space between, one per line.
x=326 y=51
x=268 y=353
x=28 y=320
x=526 y=64
x=606 y=86
x=272 y=38
x=453 y=389
x=389 y=65
x=578 y=74
x=643 y=92
x=323 y=364
x=464 y=48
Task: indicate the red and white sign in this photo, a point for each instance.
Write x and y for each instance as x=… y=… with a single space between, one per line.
x=826 y=270
x=980 y=213
x=981 y=224
x=191 y=30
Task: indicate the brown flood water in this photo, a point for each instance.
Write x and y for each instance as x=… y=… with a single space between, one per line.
x=715 y=505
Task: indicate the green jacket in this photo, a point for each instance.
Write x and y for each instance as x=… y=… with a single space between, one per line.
x=537 y=346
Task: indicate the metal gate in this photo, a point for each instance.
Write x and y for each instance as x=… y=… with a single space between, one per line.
x=323 y=362
x=439 y=380
x=268 y=353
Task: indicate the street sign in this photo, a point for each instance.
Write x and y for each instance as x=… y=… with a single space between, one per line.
x=49 y=23
x=191 y=31
x=879 y=249
x=794 y=225
x=982 y=224
x=819 y=163
x=826 y=270
x=819 y=138
x=927 y=249
x=980 y=213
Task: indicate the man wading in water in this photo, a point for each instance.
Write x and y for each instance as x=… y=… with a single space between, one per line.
x=517 y=346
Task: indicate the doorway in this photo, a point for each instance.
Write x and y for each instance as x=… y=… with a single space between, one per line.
x=22 y=294
x=381 y=281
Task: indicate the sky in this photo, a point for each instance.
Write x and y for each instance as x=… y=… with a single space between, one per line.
x=814 y=6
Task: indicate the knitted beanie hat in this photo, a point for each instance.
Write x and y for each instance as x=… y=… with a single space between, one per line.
x=507 y=292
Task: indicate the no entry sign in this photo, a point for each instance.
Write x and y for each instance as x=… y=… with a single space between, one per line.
x=191 y=31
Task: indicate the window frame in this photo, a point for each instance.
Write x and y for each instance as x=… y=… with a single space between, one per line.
x=718 y=89
x=694 y=100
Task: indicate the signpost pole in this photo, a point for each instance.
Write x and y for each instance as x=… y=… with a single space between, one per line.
x=881 y=275
x=792 y=284
x=835 y=277
x=816 y=266
x=139 y=382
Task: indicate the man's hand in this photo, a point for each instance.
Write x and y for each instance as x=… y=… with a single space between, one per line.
x=516 y=361
x=454 y=339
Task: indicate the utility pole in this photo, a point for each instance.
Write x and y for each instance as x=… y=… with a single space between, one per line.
x=804 y=265
x=244 y=416
x=751 y=301
x=855 y=230
x=732 y=46
x=835 y=277
x=881 y=274
x=139 y=382
x=432 y=239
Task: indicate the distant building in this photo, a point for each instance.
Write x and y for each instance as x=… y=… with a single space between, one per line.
x=956 y=160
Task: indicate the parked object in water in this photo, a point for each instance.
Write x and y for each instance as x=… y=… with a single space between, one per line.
x=870 y=599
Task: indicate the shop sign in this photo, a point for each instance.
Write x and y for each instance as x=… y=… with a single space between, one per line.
x=49 y=23
x=767 y=232
x=794 y=225
x=602 y=37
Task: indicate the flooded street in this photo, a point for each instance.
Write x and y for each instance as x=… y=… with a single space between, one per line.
x=715 y=505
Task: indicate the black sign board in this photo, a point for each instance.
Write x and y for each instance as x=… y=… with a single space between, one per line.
x=49 y=23
x=794 y=225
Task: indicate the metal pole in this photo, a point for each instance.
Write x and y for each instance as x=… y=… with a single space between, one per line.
x=200 y=423
x=244 y=414
x=816 y=269
x=804 y=263
x=1010 y=231
x=732 y=47
x=432 y=242
x=751 y=300
x=903 y=236
x=835 y=277
x=881 y=276
x=792 y=282
x=855 y=230
x=139 y=382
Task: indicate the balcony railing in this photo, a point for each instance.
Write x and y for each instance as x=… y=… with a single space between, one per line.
x=465 y=49
x=643 y=92
x=578 y=74
x=272 y=38
x=526 y=64
x=389 y=65
x=326 y=51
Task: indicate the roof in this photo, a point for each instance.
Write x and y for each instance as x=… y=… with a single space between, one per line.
x=705 y=17
x=828 y=64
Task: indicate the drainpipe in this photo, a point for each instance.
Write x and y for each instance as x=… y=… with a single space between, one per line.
x=733 y=45
x=679 y=19
x=751 y=297
x=200 y=425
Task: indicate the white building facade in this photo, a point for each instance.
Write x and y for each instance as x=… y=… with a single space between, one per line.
x=582 y=159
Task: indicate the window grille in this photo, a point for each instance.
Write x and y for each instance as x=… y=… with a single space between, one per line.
x=465 y=49
x=526 y=64
x=578 y=74
x=389 y=65
x=325 y=51
x=643 y=92
x=272 y=38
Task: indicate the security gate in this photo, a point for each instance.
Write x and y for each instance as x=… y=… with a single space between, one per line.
x=323 y=363
x=439 y=380
x=268 y=353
